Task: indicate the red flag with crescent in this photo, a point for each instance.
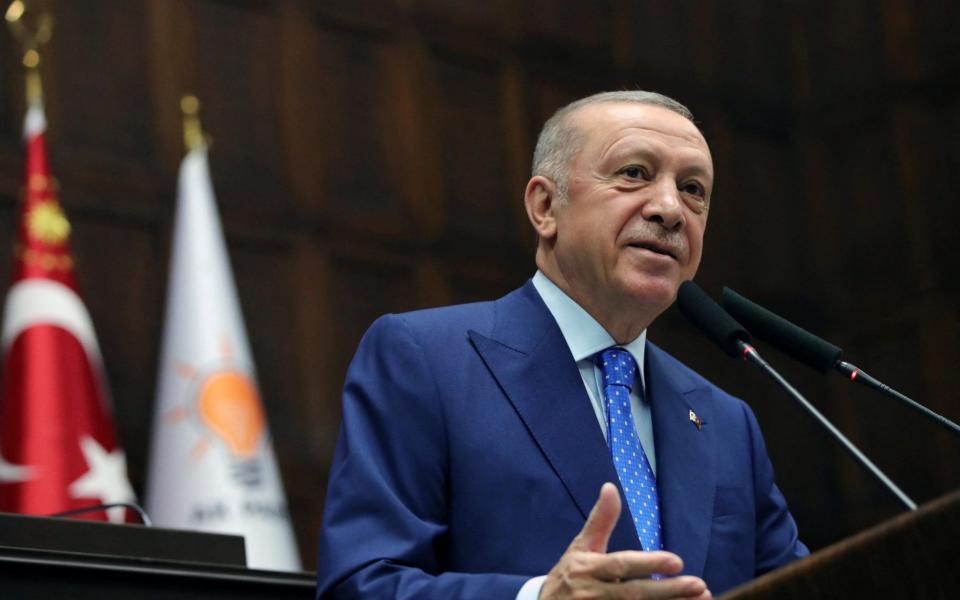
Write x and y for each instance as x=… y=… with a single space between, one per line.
x=58 y=449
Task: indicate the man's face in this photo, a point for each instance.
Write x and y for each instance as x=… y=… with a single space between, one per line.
x=631 y=229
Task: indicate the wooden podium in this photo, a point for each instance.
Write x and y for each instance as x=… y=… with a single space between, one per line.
x=912 y=556
x=43 y=558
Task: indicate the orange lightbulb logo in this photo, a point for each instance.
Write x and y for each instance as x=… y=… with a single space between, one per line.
x=230 y=405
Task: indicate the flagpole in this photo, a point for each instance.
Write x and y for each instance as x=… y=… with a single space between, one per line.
x=31 y=40
x=192 y=130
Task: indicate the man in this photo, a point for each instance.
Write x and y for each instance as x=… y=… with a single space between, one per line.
x=476 y=438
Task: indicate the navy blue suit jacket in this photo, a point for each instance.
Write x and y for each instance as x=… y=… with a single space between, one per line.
x=470 y=456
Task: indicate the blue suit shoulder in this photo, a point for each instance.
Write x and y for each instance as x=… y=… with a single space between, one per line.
x=448 y=326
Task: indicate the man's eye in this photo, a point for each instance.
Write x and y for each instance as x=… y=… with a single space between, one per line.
x=634 y=172
x=694 y=188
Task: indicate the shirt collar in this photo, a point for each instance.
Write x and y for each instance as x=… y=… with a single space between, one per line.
x=583 y=334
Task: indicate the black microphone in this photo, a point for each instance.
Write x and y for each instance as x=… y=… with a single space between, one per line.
x=712 y=320
x=812 y=350
x=723 y=329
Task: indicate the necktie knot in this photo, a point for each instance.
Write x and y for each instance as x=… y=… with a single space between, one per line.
x=618 y=367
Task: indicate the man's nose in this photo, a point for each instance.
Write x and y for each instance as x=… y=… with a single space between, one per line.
x=664 y=206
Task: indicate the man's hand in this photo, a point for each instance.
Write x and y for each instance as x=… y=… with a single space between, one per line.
x=586 y=570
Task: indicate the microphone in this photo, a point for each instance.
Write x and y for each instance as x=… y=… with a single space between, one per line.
x=724 y=330
x=712 y=320
x=812 y=350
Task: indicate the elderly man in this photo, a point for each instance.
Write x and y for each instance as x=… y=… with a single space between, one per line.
x=538 y=445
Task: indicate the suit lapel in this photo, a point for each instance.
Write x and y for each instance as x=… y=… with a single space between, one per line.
x=686 y=474
x=527 y=355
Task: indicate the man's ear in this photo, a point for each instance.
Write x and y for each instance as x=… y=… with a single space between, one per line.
x=540 y=198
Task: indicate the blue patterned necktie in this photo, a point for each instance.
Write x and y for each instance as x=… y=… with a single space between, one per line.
x=636 y=477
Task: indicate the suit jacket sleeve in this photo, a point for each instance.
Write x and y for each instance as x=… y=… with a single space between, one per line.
x=386 y=515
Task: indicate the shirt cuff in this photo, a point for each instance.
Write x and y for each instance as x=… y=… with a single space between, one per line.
x=531 y=589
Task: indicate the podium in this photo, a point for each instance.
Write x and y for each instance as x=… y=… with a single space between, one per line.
x=44 y=558
x=913 y=555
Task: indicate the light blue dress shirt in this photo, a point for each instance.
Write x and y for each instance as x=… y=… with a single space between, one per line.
x=586 y=337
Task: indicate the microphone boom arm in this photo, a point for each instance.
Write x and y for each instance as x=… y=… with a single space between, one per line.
x=753 y=356
x=855 y=373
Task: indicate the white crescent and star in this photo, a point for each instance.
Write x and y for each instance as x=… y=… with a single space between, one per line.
x=11 y=473
x=106 y=478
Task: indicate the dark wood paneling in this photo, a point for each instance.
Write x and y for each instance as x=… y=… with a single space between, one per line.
x=235 y=59
x=467 y=125
x=9 y=84
x=357 y=177
x=98 y=73
x=548 y=23
x=870 y=219
x=843 y=39
x=479 y=27
x=935 y=35
x=943 y=142
x=363 y=16
x=757 y=220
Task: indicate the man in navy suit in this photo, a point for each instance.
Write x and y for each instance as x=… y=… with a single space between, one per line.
x=479 y=455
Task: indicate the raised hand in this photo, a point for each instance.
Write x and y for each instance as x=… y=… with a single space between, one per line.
x=586 y=570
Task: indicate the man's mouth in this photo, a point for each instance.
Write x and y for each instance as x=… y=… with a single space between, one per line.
x=655 y=248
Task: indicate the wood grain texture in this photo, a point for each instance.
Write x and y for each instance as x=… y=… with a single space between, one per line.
x=913 y=555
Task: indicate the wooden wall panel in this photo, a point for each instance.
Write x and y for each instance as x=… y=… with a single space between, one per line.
x=844 y=41
x=751 y=75
x=304 y=118
x=548 y=23
x=357 y=178
x=756 y=219
x=935 y=36
x=468 y=127
x=98 y=67
x=472 y=25
x=943 y=141
x=9 y=221
x=236 y=53
x=860 y=198
x=10 y=83
x=356 y=16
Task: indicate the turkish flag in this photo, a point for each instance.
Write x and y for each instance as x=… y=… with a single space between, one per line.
x=58 y=450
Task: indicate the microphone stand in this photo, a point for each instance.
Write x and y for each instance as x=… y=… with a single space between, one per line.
x=753 y=356
x=857 y=374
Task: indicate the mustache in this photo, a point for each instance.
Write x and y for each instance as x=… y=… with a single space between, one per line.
x=654 y=237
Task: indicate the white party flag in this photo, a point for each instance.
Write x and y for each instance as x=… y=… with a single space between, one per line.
x=212 y=466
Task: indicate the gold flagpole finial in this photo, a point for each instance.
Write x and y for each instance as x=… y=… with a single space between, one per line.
x=192 y=131
x=31 y=37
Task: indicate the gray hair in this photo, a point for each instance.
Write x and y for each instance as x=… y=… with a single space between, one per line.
x=559 y=140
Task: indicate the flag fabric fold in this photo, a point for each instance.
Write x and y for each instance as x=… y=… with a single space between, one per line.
x=58 y=449
x=212 y=465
